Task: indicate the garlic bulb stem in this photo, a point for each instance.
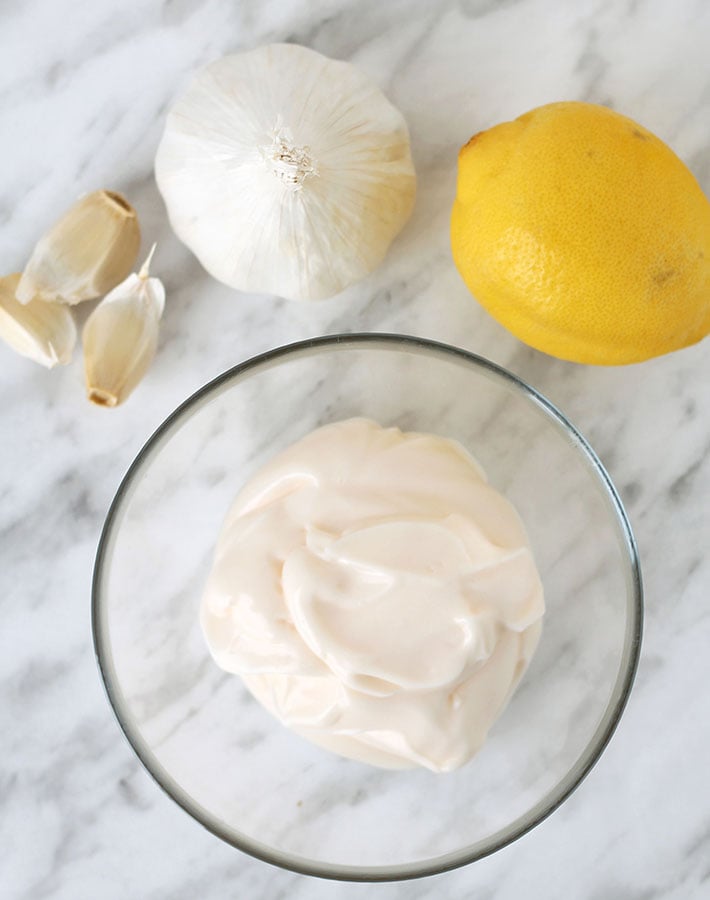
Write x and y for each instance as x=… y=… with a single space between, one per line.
x=291 y=164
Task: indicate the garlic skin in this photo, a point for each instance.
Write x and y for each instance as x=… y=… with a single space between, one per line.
x=120 y=337
x=43 y=332
x=286 y=172
x=90 y=250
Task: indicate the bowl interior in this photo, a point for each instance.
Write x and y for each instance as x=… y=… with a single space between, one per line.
x=224 y=758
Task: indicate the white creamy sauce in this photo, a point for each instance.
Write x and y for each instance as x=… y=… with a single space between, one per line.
x=376 y=594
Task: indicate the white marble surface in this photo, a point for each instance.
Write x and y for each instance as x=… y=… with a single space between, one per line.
x=83 y=90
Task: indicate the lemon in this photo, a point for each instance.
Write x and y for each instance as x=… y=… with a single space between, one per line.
x=584 y=235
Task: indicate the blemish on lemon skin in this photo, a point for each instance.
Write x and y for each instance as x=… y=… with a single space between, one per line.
x=639 y=134
x=472 y=140
x=660 y=278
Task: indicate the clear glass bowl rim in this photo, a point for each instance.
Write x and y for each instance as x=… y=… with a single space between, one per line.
x=468 y=854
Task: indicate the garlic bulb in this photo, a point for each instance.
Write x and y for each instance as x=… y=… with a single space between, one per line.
x=44 y=332
x=120 y=337
x=86 y=253
x=286 y=172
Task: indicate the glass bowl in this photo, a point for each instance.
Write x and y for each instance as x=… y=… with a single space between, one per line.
x=237 y=770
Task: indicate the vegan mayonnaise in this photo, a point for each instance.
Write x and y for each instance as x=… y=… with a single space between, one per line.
x=376 y=594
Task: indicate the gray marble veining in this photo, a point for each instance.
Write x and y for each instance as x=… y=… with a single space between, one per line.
x=83 y=91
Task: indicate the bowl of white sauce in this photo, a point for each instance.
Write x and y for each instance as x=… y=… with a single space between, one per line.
x=367 y=607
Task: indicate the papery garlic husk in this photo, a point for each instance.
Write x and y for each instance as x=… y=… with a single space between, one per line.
x=89 y=251
x=286 y=172
x=44 y=332
x=120 y=337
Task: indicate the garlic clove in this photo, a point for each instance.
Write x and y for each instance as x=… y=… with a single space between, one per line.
x=90 y=250
x=43 y=332
x=120 y=337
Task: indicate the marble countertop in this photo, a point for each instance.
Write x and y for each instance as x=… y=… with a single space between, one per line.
x=84 y=89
